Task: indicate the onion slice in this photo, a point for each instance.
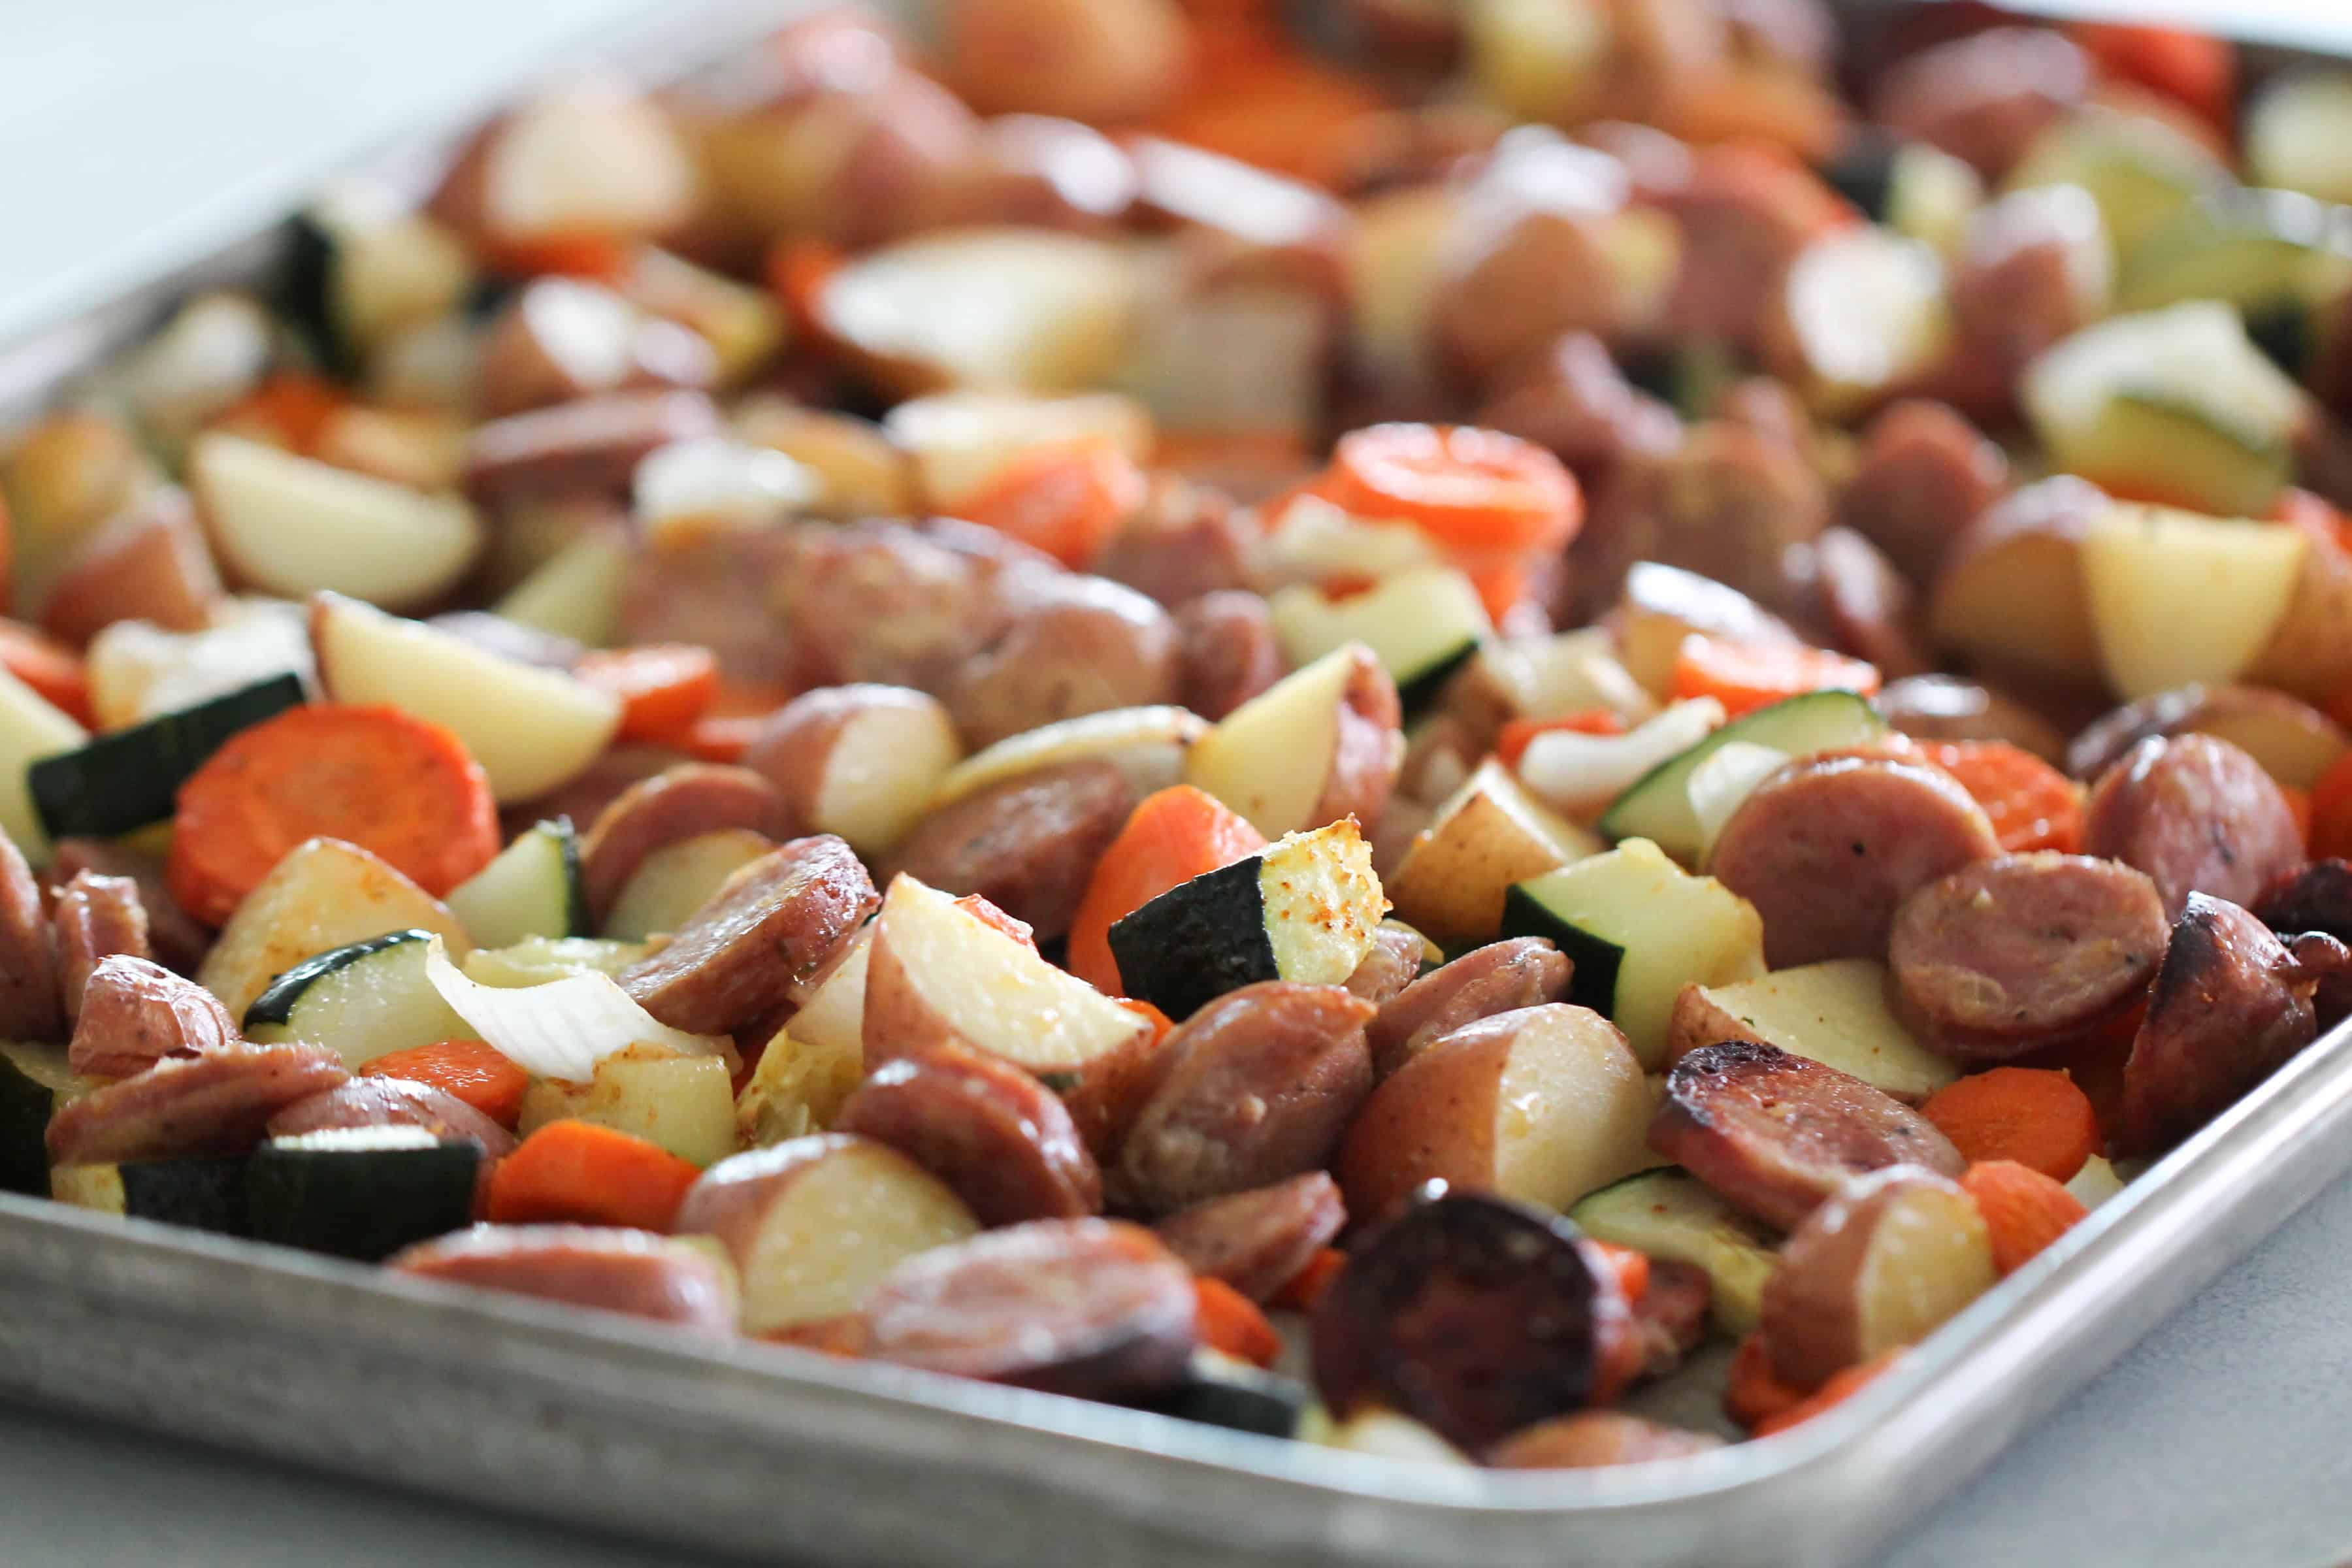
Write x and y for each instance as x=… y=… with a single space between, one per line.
x=562 y=1028
x=1580 y=774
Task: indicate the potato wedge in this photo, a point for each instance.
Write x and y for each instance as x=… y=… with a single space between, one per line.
x=1490 y=834
x=1836 y=1013
x=678 y=879
x=323 y=894
x=857 y=761
x=2011 y=596
x=1660 y=606
x=2310 y=654
x=2294 y=741
x=958 y=441
x=2177 y=597
x=1322 y=743
x=31 y=728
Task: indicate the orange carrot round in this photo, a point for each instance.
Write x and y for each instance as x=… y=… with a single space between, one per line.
x=1745 y=676
x=1753 y=1393
x=664 y=688
x=53 y=671
x=472 y=1070
x=1488 y=498
x=1306 y=1286
x=2031 y=806
x=598 y=257
x=2331 y=809
x=377 y=777
x=2034 y=1116
x=1841 y=1386
x=1172 y=836
x=581 y=1174
x=2193 y=69
x=1230 y=1322
x=2024 y=1211
x=1067 y=499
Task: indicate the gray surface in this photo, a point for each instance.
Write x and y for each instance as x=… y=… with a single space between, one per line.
x=131 y=126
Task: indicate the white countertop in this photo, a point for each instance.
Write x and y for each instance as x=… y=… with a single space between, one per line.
x=131 y=126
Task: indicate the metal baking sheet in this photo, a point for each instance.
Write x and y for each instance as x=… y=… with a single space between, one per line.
x=765 y=1453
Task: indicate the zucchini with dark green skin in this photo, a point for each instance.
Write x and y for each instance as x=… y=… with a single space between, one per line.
x=361 y=1192
x=534 y=887
x=201 y=1194
x=32 y=1079
x=1424 y=625
x=131 y=777
x=1219 y=1390
x=362 y=999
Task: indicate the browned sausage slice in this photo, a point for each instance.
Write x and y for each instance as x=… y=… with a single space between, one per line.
x=1475 y=1317
x=1184 y=543
x=1230 y=652
x=178 y=939
x=1076 y=645
x=1775 y=1134
x=1258 y=1241
x=591 y=444
x=1256 y=1087
x=1028 y=845
x=2197 y=815
x=393 y=1103
x=770 y=926
x=1925 y=473
x=30 y=1004
x=215 y=1104
x=1394 y=964
x=96 y=916
x=1873 y=610
x=2230 y=1006
x=2317 y=896
x=999 y=1139
x=1591 y=1439
x=2004 y=955
x=631 y=1271
x=1827 y=850
x=1093 y=1308
x=1501 y=977
x=135 y=1013
x=682 y=802
x=1945 y=707
x=1984 y=98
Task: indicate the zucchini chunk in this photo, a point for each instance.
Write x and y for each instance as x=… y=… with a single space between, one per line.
x=129 y=778
x=1657 y=806
x=532 y=889
x=1920 y=191
x=359 y=266
x=1422 y=624
x=34 y=1082
x=2142 y=172
x=202 y=1194
x=1639 y=928
x=361 y=1192
x=1671 y=1213
x=1303 y=909
x=364 y=999
x=1488 y=834
x=2247 y=248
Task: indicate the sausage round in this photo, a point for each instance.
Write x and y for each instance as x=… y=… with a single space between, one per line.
x=591 y=444
x=1028 y=845
x=1983 y=99
x=1229 y=651
x=1256 y=1086
x=1502 y=976
x=2197 y=815
x=1392 y=963
x=96 y=917
x=1670 y=1317
x=613 y=1270
x=135 y=1013
x=1186 y=541
x=883 y=602
x=215 y=1104
x=1094 y=1308
x=1828 y=849
x=2008 y=954
x=1591 y=1439
x=2317 y=896
x=1002 y=1141
x=774 y=923
x=1076 y=646
x=1572 y=400
x=682 y=802
x=1873 y=612
x=393 y=1103
x=2023 y=283
x=1258 y=1241
x=1945 y=707
x=1775 y=1134
x=178 y=941
x=1726 y=503
x=1922 y=474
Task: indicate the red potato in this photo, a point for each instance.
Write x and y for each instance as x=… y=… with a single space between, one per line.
x=561 y=339
x=2010 y=596
x=857 y=761
x=1659 y=606
x=1543 y=1104
x=1946 y=708
x=1984 y=98
x=1077 y=645
x=996 y=1136
x=680 y=802
x=610 y=1270
x=2309 y=655
x=1102 y=61
x=96 y=918
x=1324 y=743
x=150 y=564
x=134 y=1013
x=589 y=157
x=814 y=1224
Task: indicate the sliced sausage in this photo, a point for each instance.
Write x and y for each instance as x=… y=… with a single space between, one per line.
x=1924 y=473
x=1774 y=1134
x=2326 y=963
x=1394 y=964
x=585 y=798
x=2197 y=815
x=1572 y=400
x=1256 y=1087
x=1502 y=976
x=1258 y=1241
x=31 y=1004
x=613 y=1270
x=1186 y=541
x=591 y=445
x=1671 y=1317
x=1001 y=1140
x=178 y=939
x=1475 y=1316
x=678 y=803
x=1946 y=708
x=2230 y=1006
x=1873 y=612
x=135 y=1013
x=774 y=923
x=1592 y=1439
x=1094 y=1308
x=1076 y=645
x=1028 y=845
x=1727 y=503
x=215 y=1104
x=1983 y=99
x=2032 y=271
x=884 y=602
x=2317 y=896
x=723 y=589
x=1228 y=652
x=2002 y=956
x=393 y=1103
x=150 y=564
x=1828 y=849
x=2300 y=741
x=96 y=916
x=1744 y=219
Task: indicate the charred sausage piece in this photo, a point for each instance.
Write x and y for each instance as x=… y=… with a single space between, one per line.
x=1258 y=1241
x=2008 y=954
x=883 y=602
x=135 y=1013
x=1028 y=845
x=1256 y=1087
x=1185 y=542
x=2198 y=815
x=1574 y=401
x=216 y=1105
x=393 y=1103
x=96 y=917
x=682 y=802
x=613 y=1270
x=1094 y=1308
x=1983 y=99
x=1774 y=1134
x=1476 y=1317
x=2230 y=1006
x=1924 y=473
x=770 y=926
x=1394 y=964
x=1525 y=972
x=1672 y=1315
x=2326 y=963
x=31 y=1004
x=1828 y=849
x=591 y=445
x=2317 y=896
x=1229 y=652
x=1076 y=646
x=1873 y=610
x=179 y=942
x=1591 y=1439
x=1945 y=707
x=1727 y=503
x=1001 y=1140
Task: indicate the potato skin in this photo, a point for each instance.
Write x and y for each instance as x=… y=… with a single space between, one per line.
x=793 y=749
x=1369 y=753
x=1101 y=61
x=1432 y=1119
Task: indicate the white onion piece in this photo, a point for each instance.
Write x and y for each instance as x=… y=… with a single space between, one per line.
x=1727 y=777
x=1581 y=774
x=562 y=1028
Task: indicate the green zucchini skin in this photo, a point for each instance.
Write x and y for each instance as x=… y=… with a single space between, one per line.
x=1240 y=1398
x=305 y=295
x=1594 y=982
x=1865 y=174
x=1197 y=940
x=202 y=1194
x=129 y=779
x=276 y=1004
x=1416 y=693
x=363 y=1205
x=25 y=1108
x=577 y=916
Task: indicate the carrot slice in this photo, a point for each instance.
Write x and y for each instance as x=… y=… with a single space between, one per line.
x=2331 y=810
x=1753 y=1393
x=293 y=404
x=1160 y=1023
x=598 y=257
x=2194 y=69
x=797 y=272
x=1306 y=1286
x=472 y=1070
x=2031 y=804
x=2299 y=803
x=1279 y=109
x=1172 y=836
x=664 y=687
x=1841 y=1386
x=1490 y=499
x=1065 y=499
x=1745 y=676
x=377 y=777
x=1500 y=589
x=1632 y=1266
x=581 y=1174
x=1230 y=1322
x=2024 y=1209
x=2034 y=1116
x=718 y=738
x=1519 y=734
x=50 y=668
